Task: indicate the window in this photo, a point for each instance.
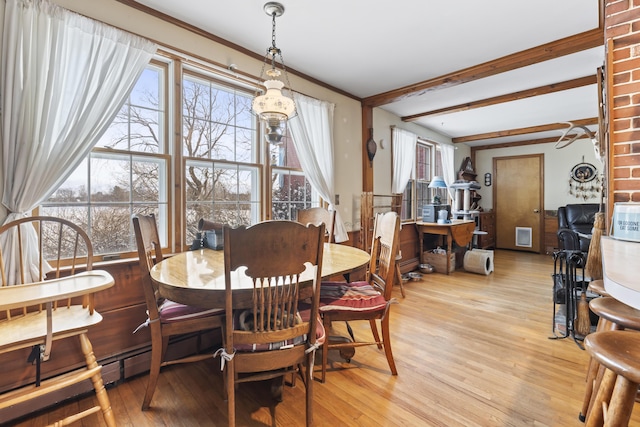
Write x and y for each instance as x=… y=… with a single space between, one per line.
x=126 y=172
x=222 y=172
x=216 y=167
x=290 y=189
x=417 y=192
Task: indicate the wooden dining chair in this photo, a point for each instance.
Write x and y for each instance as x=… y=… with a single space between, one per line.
x=267 y=335
x=368 y=300
x=166 y=318
x=317 y=216
x=60 y=264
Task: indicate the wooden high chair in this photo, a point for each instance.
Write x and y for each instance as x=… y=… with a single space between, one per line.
x=48 y=296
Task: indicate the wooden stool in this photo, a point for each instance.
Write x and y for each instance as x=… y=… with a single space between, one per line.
x=614 y=315
x=398 y=274
x=597 y=287
x=619 y=353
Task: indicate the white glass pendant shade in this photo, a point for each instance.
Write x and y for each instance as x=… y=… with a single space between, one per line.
x=273 y=105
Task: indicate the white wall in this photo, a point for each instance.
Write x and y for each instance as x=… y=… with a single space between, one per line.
x=382 y=122
x=557 y=167
x=347 y=118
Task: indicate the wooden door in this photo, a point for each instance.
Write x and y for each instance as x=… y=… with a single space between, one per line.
x=518 y=200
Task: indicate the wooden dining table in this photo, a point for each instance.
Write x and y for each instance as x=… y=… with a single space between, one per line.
x=197 y=277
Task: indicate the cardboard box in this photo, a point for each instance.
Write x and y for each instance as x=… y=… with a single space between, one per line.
x=439 y=261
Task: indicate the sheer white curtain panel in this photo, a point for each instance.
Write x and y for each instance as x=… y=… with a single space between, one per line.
x=404 y=158
x=63 y=78
x=312 y=132
x=447 y=152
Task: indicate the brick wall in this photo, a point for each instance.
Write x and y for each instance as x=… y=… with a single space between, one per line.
x=622 y=38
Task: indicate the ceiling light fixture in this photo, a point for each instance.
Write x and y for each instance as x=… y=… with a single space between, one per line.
x=274 y=108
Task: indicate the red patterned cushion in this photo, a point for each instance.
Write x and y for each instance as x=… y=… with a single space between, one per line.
x=304 y=315
x=171 y=311
x=354 y=296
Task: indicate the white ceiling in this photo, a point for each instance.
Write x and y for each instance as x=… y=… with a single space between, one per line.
x=368 y=47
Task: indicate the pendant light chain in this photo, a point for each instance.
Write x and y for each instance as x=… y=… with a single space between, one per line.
x=273 y=50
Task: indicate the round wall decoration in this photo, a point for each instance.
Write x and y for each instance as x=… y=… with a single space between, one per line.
x=584 y=182
x=583 y=172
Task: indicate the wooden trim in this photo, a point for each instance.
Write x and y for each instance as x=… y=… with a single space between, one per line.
x=542 y=90
x=568 y=45
x=514 y=144
x=524 y=131
x=610 y=160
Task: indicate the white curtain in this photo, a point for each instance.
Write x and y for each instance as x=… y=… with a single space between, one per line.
x=448 y=169
x=63 y=79
x=404 y=158
x=312 y=131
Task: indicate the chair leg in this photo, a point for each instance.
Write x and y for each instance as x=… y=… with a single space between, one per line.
x=308 y=375
x=325 y=348
x=591 y=383
x=231 y=392
x=98 y=385
x=374 y=331
x=157 y=352
x=621 y=404
x=589 y=388
x=595 y=416
x=399 y=279
x=386 y=338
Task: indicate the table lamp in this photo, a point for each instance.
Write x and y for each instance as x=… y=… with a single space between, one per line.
x=437 y=182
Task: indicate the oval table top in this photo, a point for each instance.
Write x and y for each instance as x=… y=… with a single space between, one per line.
x=197 y=277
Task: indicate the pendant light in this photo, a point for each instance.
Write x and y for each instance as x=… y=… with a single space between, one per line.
x=273 y=107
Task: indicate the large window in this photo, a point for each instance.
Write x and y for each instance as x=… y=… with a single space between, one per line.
x=417 y=192
x=126 y=173
x=216 y=166
x=221 y=152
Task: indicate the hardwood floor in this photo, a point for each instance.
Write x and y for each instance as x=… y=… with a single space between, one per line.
x=471 y=350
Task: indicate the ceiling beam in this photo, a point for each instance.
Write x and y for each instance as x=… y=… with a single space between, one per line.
x=514 y=144
x=566 y=46
x=524 y=131
x=515 y=96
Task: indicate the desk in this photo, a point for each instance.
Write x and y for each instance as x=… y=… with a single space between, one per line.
x=620 y=271
x=460 y=231
x=197 y=277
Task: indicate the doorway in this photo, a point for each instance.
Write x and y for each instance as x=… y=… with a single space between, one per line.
x=518 y=200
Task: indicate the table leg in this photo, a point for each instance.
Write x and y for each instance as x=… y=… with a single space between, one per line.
x=449 y=239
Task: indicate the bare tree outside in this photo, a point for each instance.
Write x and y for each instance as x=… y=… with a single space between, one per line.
x=128 y=171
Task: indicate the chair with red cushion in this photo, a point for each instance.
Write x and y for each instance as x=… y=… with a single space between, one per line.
x=166 y=318
x=368 y=300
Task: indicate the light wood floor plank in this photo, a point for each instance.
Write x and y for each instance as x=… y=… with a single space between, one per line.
x=471 y=350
